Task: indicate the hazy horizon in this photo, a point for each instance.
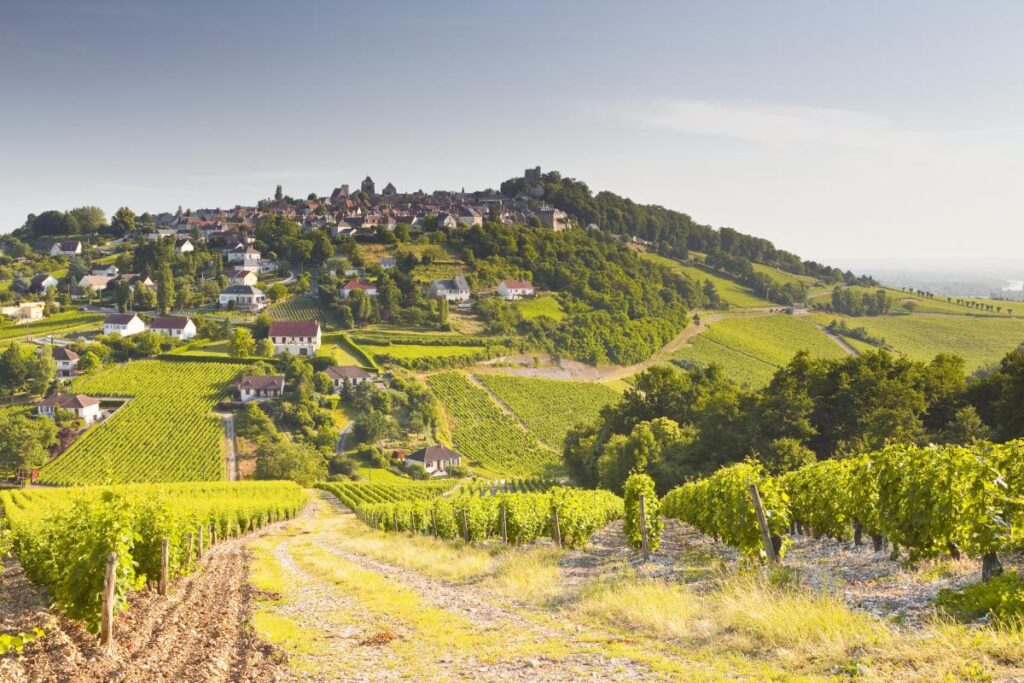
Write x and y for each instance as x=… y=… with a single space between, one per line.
x=851 y=129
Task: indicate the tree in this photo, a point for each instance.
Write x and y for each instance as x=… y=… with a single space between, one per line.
x=289 y=460
x=264 y=348
x=42 y=370
x=165 y=288
x=277 y=292
x=144 y=298
x=89 y=218
x=278 y=193
x=123 y=222
x=183 y=297
x=241 y=344
x=13 y=369
x=372 y=426
x=25 y=441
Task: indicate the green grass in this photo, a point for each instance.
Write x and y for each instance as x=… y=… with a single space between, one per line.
x=751 y=349
x=549 y=407
x=730 y=291
x=540 y=306
x=979 y=340
x=781 y=276
x=490 y=439
x=166 y=432
x=58 y=323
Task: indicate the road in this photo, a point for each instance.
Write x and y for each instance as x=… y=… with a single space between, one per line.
x=231 y=454
x=340 y=448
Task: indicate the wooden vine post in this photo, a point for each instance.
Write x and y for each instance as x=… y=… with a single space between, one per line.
x=191 y=544
x=109 y=594
x=165 y=566
x=433 y=522
x=504 y=525
x=199 y=553
x=762 y=521
x=644 y=547
x=557 y=529
x=465 y=527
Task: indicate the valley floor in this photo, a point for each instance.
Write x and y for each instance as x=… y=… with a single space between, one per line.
x=328 y=599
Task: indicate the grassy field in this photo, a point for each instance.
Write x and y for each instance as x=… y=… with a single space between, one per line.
x=979 y=340
x=56 y=324
x=550 y=407
x=166 y=432
x=730 y=291
x=539 y=306
x=490 y=439
x=415 y=351
x=750 y=350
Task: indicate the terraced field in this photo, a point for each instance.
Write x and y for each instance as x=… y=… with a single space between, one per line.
x=751 y=349
x=490 y=439
x=980 y=340
x=550 y=407
x=166 y=432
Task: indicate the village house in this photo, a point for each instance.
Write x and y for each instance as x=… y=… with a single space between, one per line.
x=388 y=262
x=30 y=310
x=510 y=290
x=135 y=279
x=240 y=276
x=178 y=327
x=470 y=216
x=246 y=256
x=243 y=298
x=110 y=271
x=297 y=337
x=255 y=387
x=368 y=288
x=353 y=374
x=123 y=324
x=68 y=248
x=446 y=220
x=85 y=407
x=42 y=282
x=554 y=219
x=93 y=284
x=456 y=289
x=66 y=359
x=435 y=459
x=184 y=246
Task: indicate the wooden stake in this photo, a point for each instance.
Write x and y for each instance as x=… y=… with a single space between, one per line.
x=165 y=566
x=199 y=554
x=762 y=521
x=465 y=527
x=109 y=593
x=191 y=544
x=558 y=531
x=504 y=525
x=643 y=528
x=213 y=535
x=433 y=522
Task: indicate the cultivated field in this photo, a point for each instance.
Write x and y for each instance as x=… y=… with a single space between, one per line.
x=729 y=290
x=58 y=323
x=540 y=306
x=166 y=432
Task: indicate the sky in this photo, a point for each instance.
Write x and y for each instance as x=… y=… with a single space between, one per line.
x=838 y=130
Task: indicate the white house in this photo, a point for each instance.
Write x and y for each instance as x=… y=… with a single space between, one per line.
x=31 y=310
x=92 y=284
x=66 y=359
x=246 y=256
x=42 y=282
x=68 y=248
x=456 y=289
x=184 y=246
x=256 y=387
x=243 y=298
x=178 y=327
x=388 y=262
x=368 y=288
x=470 y=216
x=297 y=337
x=510 y=290
x=435 y=458
x=85 y=407
x=240 y=276
x=109 y=271
x=123 y=324
x=353 y=373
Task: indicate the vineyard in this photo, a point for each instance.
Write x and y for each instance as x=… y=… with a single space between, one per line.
x=63 y=538
x=730 y=291
x=303 y=307
x=70 y=321
x=926 y=501
x=550 y=408
x=165 y=432
x=527 y=516
x=489 y=438
x=494 y=487
x=356 y=494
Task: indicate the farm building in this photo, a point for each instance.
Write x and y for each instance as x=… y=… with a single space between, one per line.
x=353 y=373
x=85 y=407
x=243 y=298
x=367 y=288
x=456 y=289
x=178 y=327
x=123 y=324
x=66 y=359
x=297 y=337
x=435 y=458
x=68 y=248
x=31 y=310
x=241 y=276
x=42 y=282
x=510 y=290
x=256 y=387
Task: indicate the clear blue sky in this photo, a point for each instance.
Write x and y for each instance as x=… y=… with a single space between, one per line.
x=834 y=129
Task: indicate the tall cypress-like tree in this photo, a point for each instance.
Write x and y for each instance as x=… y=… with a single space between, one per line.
x=165 y=288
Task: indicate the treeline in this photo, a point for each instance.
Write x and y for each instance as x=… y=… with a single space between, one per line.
x=621 y=308
x=677 y=425
x=673 y=233
x=856 y=302
x=785 y=293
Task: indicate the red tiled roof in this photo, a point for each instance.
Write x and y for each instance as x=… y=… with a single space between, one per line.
x=294 y=328
x=70 y=401
x=170 y=322
x=517 y=284
x=260 y=382
x=347 y=372
x=359 y=284
x=60 y=353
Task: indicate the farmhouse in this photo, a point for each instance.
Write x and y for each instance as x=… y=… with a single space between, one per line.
x=435 y=458
x=92 y=284
x=109 y=271
x=368 y=288
x=42 y=282
x=297 y=337
x=178 y=327
x=66 y=359
x=85 y=407
x=248 y=257
x=354 y=374
x=243 y=298
x=184 y=246
x=69 y=248
x=123 y=324
x=240 y=276
x=255 y=388
x=456 y=289
x=388 y=262
x=32 y=310
x=510 y=290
